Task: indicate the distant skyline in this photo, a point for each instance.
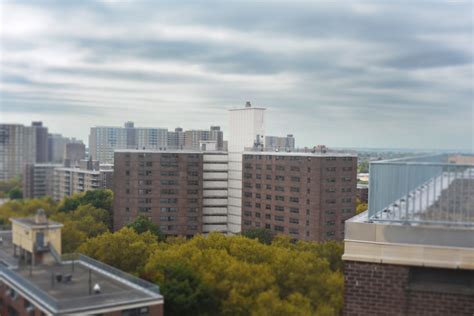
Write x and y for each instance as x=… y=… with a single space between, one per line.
x=344 y=74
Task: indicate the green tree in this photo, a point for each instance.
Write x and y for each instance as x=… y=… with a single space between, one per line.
x=263 y=235
x=142 y=224
x=361 y=206
x=124 y=249
x=249 y=277
x=186 y=293
x=70 y=203
x=7 y=185
x=102 y=198
x=15 y=194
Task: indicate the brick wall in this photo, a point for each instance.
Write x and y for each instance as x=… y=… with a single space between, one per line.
x=384 y=289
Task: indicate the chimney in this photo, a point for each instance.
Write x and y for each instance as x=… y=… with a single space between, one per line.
x=247 y=104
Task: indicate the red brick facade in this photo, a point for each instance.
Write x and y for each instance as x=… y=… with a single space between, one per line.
x=384 y=289
x=166 y=187
x=306 y=197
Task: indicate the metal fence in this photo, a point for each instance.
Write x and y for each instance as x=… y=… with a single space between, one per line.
x=113 y=271
x=427 y=190
x=20 y=282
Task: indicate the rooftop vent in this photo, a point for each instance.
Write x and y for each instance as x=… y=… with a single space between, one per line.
x=40 y=217
x=97 y=289
x=247 y=104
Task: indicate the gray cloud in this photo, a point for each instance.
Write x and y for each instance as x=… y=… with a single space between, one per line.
x=337 y=69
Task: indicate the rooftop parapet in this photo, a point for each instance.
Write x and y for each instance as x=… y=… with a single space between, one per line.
x=428 y=190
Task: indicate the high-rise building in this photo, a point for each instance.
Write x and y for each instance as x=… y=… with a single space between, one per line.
x=103 y=140
x=68 y=181
x=247 y=128
x=41 y=133
x=38 y=180
x=74 y=152
x=176 y=139
x=192 y=138
x=412 y=252
x=56 y=147
x=165 y=186
x=17 y=148
x=35 y=280
x=282 y=143
x=305 y=195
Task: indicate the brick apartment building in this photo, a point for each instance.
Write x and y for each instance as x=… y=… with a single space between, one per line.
x=165 y=186
x=34 y=280
x=412 y=252
x=304 y=195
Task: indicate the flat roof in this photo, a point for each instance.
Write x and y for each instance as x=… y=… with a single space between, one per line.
x=40 y=284
x=248 y=108
x=30 y=222
x=170 y=151
x=301 y=154
x=78 y=170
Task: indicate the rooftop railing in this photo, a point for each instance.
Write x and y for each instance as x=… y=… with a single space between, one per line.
x=27 y=286
x=114 y=272
x=424 y=190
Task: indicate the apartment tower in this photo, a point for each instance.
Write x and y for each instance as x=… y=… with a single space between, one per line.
x=246 y=128
x=304 y=195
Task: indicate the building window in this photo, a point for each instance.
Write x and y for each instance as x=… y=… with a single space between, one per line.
x=268 y=216
x=279 y=228
x=295 y=179
x=293 y=168
x=439 y=280
x=294 y=210
x=294 y=189
x=280 y=218
x=294 y=199
x=280 y=178
x=279 y=208
x=279 y=198
x=279 y=188
x=280 y=168
x=294 y=231
x=294 y=221
x=268 y=207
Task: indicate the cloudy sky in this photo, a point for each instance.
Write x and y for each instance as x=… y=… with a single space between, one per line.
x=340 y=73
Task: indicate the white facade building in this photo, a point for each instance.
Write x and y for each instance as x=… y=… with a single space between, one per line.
x=103 y=140
x=215 y=196
x=246 y=128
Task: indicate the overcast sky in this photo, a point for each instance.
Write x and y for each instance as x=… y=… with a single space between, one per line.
x=340 y=73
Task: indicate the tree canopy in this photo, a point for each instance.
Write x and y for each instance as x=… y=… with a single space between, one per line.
x=142 y=224
x=255 y=273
